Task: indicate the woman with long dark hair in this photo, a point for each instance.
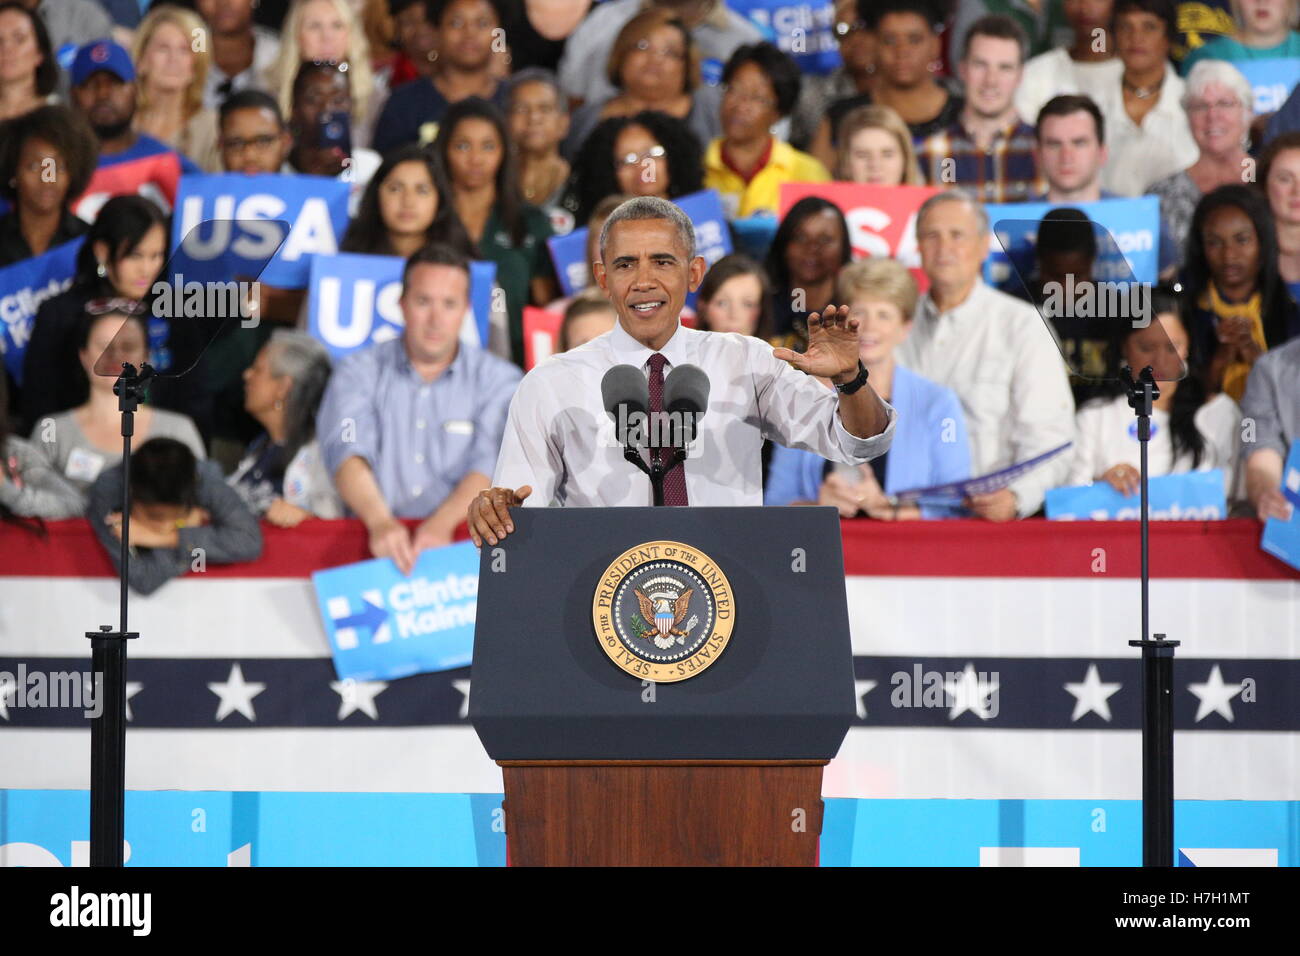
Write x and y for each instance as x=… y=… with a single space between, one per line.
x=406 y=205
x=120 y=257
x=1188 y=433
x=83 y=441
x=282 y=476
x=29 y=72
x=810 y=247
x=649 y=154
x=475 y=149
x=1237 y=304
x=735 y=296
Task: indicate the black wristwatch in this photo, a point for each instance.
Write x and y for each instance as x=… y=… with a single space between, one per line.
x=848 y=388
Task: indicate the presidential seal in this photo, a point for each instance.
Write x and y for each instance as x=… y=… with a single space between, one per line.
x=663 y=611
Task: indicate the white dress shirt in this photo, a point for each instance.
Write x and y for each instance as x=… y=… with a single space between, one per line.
x=560 y=440
x=1108 y=437
x=997 y=354
x=1160 y=147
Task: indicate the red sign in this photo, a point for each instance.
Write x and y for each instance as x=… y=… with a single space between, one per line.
x=541 y=330
x=882 y=219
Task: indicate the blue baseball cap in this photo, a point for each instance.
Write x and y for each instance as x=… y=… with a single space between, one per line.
x=102 y=55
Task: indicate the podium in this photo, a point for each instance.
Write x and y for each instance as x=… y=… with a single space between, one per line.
x=695 y=738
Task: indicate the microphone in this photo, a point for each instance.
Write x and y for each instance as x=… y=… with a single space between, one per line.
x=625 y=392
x=686 y=398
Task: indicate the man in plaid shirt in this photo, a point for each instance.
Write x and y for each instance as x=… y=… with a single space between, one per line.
x=988 y=151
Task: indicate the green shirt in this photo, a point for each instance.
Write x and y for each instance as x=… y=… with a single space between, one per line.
x=1234 y=51
x=517 y=265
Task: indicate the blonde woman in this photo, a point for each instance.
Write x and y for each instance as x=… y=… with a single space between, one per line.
x=171 y=70
x=930 y=446
x=328 y=31
x=876 y=148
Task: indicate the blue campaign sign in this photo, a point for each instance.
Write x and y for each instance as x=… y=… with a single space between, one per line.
x=712 y=241
x=1272 y=81
x=1134 y=226
x=383 y=625
x=234 y=206
x=352 y=301
x=804 y=30
x=1193 y=496
x=1282 y=538
x=23 y=287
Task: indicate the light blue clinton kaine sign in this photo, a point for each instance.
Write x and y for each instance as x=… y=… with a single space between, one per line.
x=383 y=625
x=1193 y=496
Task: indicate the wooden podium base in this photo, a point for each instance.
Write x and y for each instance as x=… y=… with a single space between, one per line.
x=663 y=813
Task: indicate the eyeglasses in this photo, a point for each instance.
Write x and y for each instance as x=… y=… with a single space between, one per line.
x=746 y=96
x=235 y=144
x=1196 y=107
x=635 y=159
x=663 y=52
x=115 y=305
x=844 y=28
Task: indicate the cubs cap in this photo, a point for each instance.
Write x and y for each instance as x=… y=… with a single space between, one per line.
x=102 y=55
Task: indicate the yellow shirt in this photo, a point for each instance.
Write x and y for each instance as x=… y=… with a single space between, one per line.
x=762 y=194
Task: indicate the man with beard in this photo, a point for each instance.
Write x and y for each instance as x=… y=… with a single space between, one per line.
x=104 y=92
x=988 y=150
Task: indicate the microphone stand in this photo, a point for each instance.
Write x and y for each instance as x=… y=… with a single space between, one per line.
x=108 y=661
x=1157 y=668
x=657 y=470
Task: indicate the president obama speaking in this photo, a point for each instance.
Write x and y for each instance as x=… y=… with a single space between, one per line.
x=560 y=448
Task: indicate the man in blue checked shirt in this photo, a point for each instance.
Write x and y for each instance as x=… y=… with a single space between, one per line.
x=410 y=428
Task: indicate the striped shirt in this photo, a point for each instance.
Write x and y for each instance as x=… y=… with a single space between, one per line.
x=1005 y=172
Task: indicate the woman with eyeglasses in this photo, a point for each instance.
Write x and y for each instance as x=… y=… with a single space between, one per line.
x=120 y=257
x=1219 y=102
x=169 y=81
x=855 y=76
x=47 y=139
x=466 y=59
x=655 y=66
x=81 y=442
x=747 y=164
x=474 y=147
x=810 y=247
x=29 y=73
x=649 y=154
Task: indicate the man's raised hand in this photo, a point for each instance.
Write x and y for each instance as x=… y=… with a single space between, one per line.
x=832 y=346
x=489 y=514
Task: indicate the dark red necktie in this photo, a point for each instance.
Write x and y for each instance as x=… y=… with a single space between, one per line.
x=675 y=480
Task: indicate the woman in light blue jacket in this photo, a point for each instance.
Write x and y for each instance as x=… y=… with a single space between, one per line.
x=930 y=446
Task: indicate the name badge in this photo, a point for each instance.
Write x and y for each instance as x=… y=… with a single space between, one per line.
x=459 y=426
x=84 y=465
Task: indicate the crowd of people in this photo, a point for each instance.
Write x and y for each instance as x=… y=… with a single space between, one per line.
x=480 y=129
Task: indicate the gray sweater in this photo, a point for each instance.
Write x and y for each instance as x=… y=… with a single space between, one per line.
x=234 y=534
x=30 y=487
